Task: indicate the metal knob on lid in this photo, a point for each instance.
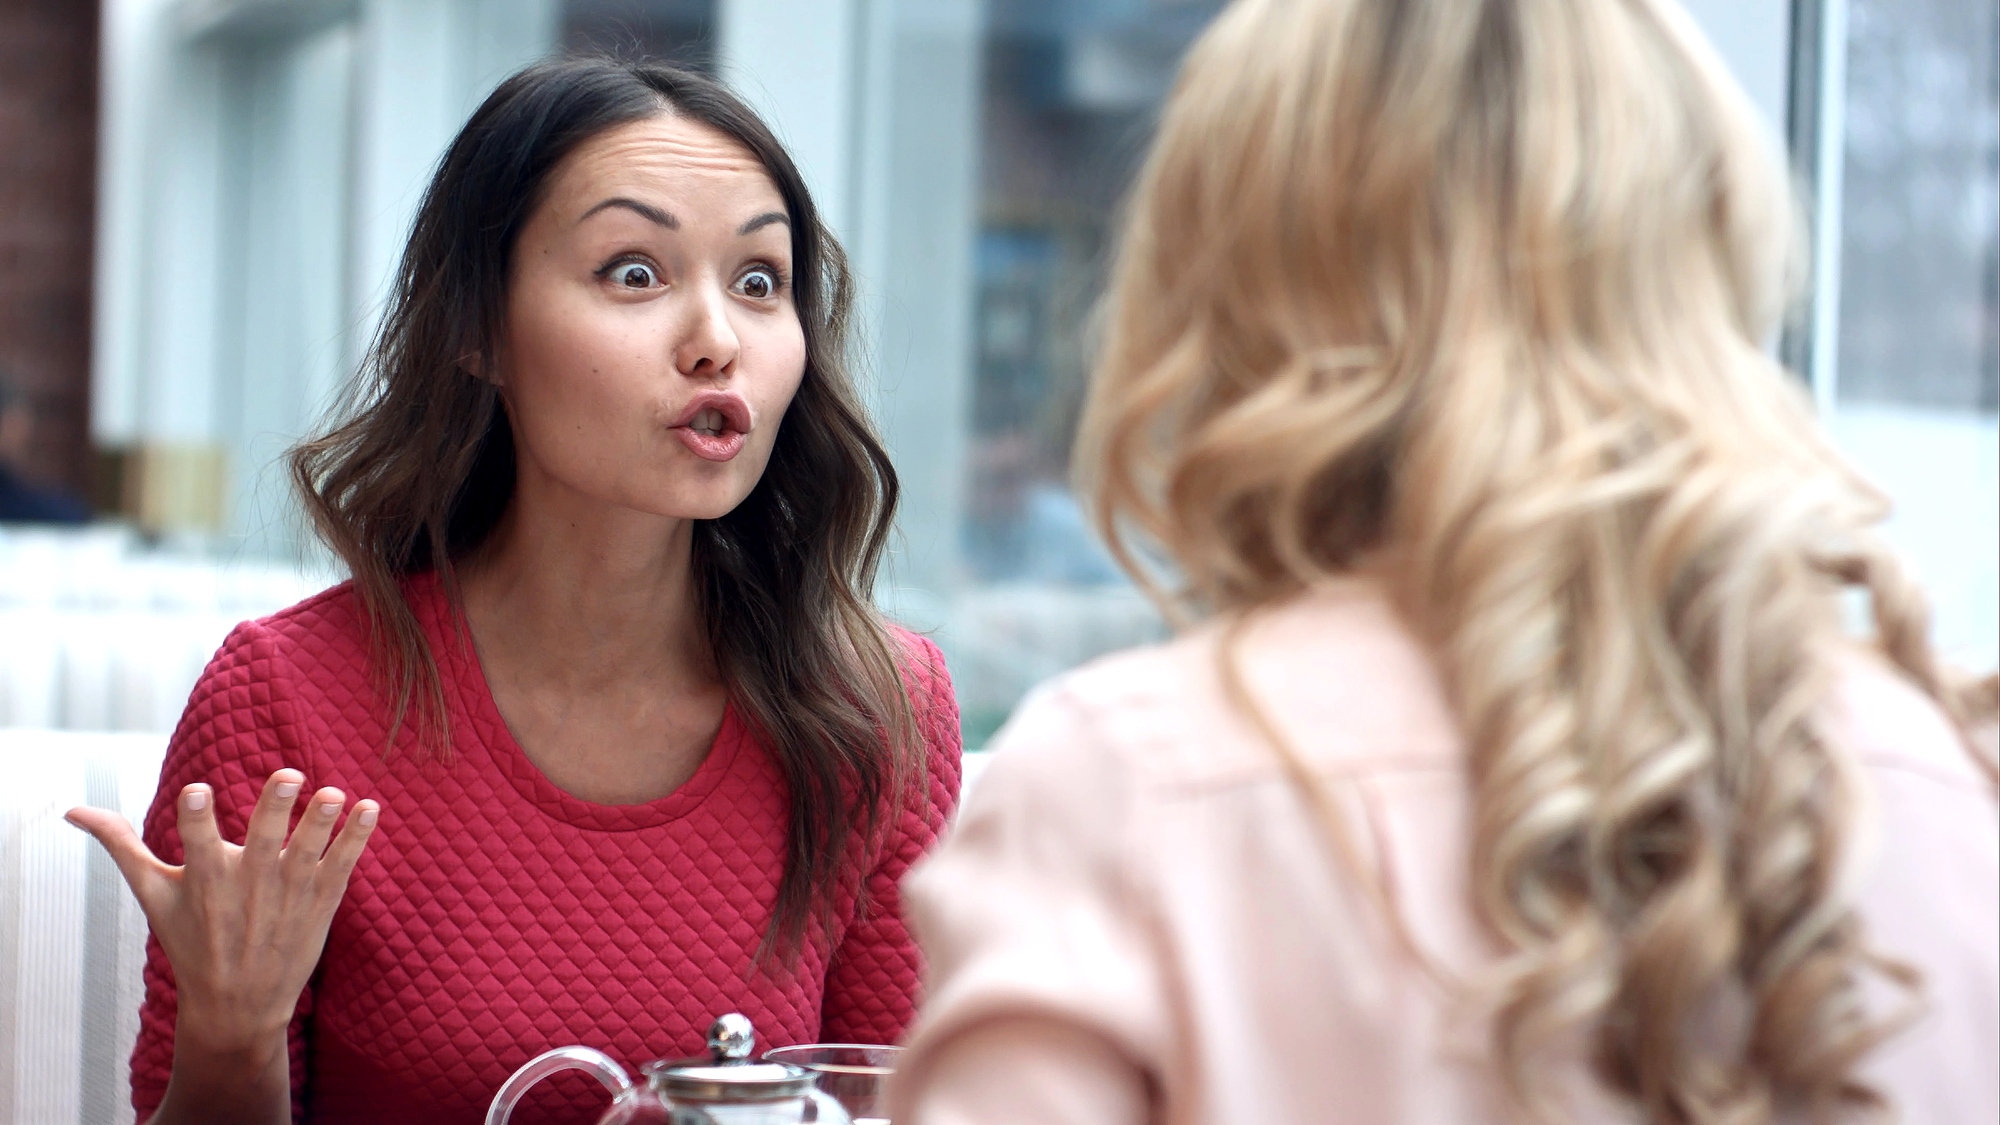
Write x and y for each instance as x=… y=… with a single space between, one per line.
x=728 y=1075
x=731 y=1038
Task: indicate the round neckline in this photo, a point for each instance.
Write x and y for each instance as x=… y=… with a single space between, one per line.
x=485 y=733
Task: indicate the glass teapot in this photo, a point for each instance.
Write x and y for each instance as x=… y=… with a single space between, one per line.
x=723 y=1087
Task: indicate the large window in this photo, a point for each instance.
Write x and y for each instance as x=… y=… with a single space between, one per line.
x=971 y=154
x=1907 y=352
x=1069 y=96
x=1920 y=214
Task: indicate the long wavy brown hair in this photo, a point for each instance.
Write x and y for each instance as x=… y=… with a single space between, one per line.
x=1472 y=294
x=419 y=466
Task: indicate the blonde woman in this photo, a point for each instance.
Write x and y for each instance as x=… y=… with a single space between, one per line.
x=1518 y=765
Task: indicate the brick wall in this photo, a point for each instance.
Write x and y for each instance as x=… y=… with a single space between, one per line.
x=48 y=178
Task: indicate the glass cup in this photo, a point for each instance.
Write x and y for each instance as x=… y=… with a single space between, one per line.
x=855 y=1074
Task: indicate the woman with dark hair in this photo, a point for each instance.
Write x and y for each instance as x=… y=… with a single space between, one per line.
x=607 y=672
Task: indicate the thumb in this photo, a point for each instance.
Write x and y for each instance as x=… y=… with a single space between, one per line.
x=143 y=872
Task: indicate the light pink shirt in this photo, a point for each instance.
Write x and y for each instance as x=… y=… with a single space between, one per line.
x=1139 y=919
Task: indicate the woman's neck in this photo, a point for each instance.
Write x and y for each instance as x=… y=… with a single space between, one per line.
x=594 y=592
x=591 y=638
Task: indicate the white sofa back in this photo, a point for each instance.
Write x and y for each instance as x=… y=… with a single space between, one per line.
x=99 y=633
x=72 y=937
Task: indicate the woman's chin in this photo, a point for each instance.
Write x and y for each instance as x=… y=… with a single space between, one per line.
x=697 y=503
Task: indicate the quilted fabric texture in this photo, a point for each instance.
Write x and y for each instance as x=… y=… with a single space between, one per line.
x=495 y=916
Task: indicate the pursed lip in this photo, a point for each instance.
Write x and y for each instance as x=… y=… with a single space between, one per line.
x=734 y=410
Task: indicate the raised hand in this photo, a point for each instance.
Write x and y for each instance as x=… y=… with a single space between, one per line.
x=243 y=926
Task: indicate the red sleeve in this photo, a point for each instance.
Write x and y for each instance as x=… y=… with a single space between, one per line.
x=876 y=978
x=240 y=726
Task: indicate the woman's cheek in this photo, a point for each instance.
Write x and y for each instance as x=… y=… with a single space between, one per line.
x=789 y=358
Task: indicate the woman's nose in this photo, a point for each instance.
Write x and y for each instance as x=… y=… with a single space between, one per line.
x=708 y=344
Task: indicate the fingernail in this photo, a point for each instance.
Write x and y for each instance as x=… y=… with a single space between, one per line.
x=327 y=809
x=197 y=800
x=367 y=818
x=288 y=789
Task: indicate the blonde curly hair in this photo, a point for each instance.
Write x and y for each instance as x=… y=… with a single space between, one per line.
x=1474 y=293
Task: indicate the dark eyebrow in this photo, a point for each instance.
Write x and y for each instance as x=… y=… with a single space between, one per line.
x=643 y=210
x=764 y=220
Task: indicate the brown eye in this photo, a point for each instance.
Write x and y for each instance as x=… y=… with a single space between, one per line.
x=634 y=275
x=758 y=284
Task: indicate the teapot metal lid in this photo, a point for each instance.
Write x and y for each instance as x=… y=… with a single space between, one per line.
x=726 y=1074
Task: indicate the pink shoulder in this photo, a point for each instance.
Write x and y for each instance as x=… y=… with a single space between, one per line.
x=935 y=704
x=928 y=681
x=921 y=655
x=1888 y=722
x=332 y=615
x=321 y=643
x=267 y=666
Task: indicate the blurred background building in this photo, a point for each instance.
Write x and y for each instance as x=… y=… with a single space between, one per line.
x=203 y=201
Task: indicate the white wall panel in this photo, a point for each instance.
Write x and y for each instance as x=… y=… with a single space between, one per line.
x=134 y=55
x=179 y=317
x=795 y=61
x=406 y=113
x=922 y=258
x=423 y=67
x=878 y=101
x=286 y=312
x=262 y=161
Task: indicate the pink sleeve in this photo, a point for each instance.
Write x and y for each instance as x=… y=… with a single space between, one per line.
x=876 y=978
x=1045 y=968
x=1044 y=1071
x=239 y=727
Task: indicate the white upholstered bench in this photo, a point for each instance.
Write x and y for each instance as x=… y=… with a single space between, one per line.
x=72 y=938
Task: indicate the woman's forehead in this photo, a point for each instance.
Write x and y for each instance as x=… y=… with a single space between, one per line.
x=667 y=156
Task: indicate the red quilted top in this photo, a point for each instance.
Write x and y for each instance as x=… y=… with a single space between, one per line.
x=494 y=916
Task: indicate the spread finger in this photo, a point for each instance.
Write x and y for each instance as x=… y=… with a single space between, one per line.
x=143 y=872
x=201 y=842
x=346 y=850
x=272 y=817
x=302 y=851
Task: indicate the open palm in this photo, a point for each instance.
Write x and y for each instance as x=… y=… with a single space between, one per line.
x=243 y=926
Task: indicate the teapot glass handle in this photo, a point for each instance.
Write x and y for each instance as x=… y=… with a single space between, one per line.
x=600 y=1065
x=827 y=1109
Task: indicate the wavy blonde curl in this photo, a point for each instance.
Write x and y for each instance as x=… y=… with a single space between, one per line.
x=1473 y=293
